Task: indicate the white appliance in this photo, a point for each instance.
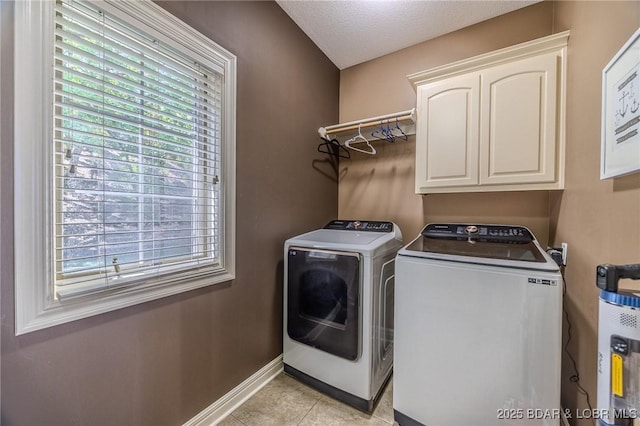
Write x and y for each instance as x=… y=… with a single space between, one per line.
x=478 y=328
x=338 y=308
x=618 y=347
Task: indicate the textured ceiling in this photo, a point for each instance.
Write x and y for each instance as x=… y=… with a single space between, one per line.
x=350 y=32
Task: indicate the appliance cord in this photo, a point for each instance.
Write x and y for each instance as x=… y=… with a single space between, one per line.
x=575 y=377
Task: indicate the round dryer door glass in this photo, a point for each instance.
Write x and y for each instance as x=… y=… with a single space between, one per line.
x=323 y=297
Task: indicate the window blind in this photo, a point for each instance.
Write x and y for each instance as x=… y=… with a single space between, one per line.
x=137 y=155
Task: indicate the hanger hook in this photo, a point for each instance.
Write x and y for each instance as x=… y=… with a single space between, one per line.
x=403 y=134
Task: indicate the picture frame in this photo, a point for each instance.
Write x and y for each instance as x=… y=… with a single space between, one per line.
x=620 y=153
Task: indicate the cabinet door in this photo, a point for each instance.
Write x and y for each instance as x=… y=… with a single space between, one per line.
x=447 y=133
x=518 y=122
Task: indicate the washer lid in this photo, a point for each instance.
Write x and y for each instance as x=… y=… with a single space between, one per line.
x=502 y=245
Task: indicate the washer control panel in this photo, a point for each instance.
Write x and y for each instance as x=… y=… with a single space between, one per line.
x=488 y=233
x=360 y=225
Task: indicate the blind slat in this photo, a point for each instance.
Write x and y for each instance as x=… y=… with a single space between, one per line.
x=128 y=42
x=108 y=85
x=97 y=171
x=139 y=105
x=208 y=229
x=124 y=253
x=111 y=113
x=150 y=189
x=207 y=90
x=204 y=149
x=107 y=261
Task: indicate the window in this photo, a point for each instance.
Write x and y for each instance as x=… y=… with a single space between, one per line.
x=125 y=182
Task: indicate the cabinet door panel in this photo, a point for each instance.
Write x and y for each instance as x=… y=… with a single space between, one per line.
x=447 y=133
x=518 y=126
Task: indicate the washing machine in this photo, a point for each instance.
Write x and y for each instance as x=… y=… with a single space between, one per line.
x=338 y=308
x=478 y=328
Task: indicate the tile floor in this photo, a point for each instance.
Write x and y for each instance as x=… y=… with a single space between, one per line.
x=285 y=401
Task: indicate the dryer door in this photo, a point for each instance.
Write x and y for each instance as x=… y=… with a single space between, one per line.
x=323 y=291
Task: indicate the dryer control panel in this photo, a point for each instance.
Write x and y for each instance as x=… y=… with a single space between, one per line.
x=487 y=233
x=360 y=225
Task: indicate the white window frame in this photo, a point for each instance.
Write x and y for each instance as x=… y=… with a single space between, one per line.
x=36 y=305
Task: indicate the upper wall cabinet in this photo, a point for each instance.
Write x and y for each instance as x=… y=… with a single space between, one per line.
x=494 y=122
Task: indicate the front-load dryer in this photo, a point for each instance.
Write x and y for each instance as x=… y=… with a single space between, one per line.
x=338 y=308
x=478 y=328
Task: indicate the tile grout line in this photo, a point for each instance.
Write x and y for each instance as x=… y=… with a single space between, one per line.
x=237 y=419
x=307 y=413
x=382 y=419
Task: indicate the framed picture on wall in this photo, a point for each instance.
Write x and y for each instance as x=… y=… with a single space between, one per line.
x=621 y=111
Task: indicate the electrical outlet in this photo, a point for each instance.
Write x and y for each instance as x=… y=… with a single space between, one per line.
x=565 y=249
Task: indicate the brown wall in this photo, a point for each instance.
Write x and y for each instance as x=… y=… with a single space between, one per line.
x=600 y=220
x=160 y=363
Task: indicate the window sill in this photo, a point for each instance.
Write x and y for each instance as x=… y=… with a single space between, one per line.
x=76 y=308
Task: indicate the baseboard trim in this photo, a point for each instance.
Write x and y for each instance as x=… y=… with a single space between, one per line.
x=224 y=406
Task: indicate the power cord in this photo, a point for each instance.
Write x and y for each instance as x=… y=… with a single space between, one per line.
x=575 y=377
x=556 y=255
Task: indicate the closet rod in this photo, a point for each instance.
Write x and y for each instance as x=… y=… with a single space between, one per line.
x=367 y=122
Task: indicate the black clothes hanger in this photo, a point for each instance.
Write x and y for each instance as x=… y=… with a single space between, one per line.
x=333 y=147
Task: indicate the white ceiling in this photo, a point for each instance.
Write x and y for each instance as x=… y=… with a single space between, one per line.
x=350 y=32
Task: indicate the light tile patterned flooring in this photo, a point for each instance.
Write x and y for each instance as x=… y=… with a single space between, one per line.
x=285 y=401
